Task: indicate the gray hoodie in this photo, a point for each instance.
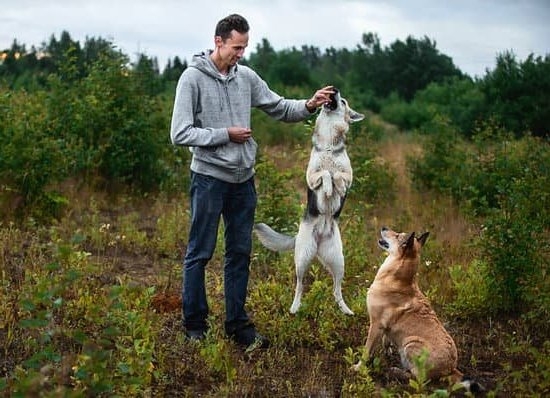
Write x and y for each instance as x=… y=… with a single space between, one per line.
x=208 y=103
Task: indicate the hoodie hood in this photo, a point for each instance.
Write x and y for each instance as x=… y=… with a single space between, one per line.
x=204 y=63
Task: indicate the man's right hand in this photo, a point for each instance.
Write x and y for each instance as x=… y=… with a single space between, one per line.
x=239 y=134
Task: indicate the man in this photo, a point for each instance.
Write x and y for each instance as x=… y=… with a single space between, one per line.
x=211 y=114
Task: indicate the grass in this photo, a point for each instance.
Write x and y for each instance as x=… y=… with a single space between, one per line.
x=89 y=305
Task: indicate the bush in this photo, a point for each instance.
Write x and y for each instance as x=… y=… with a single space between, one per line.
x=506 y=182
x=32 y=157
x=472 y=292
x=102 y=125
x=403 y=114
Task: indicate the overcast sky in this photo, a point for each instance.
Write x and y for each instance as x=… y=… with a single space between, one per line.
x=471 y=32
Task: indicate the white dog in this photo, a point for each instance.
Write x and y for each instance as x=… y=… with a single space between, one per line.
x=329 y=176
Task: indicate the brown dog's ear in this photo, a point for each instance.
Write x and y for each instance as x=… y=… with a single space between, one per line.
x=422 y=238
x=409 y=242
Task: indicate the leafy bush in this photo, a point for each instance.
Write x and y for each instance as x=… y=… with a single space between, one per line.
x=472 y=290
x=534 y=373
x=440 y=167
x=31 y=157
x=73 y=332
x=104 y=124
x=403 y=114
x=517 y=94
x=459 y=100
x=507 y=182
x=278 y=198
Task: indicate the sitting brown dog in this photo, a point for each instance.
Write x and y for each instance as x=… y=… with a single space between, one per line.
x=400 y=312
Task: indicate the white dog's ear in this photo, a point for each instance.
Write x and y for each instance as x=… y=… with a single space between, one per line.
x=355 y=116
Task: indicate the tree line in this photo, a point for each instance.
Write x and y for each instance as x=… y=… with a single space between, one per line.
x=401 y=80
x=85 y=111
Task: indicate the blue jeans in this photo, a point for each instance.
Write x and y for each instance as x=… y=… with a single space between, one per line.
x=236 y=203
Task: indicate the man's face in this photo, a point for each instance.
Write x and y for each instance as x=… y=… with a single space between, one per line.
x=232 y=49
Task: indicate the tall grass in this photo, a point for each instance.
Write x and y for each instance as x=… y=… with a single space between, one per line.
x=82 y=310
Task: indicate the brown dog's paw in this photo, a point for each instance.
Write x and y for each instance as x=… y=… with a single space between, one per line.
x=398 y=374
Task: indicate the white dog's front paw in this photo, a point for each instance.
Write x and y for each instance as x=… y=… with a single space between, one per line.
x=294 y=307
x=347 y=311
x=357 y=366
x=344 y=308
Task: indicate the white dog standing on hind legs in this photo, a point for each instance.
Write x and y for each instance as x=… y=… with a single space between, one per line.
x=329 y=176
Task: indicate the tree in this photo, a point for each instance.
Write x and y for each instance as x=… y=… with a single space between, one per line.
x=262 y=59
x=412 y=65
x=174 y=69
x=517 y=94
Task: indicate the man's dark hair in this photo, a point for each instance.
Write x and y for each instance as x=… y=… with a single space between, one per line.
x=230 y=23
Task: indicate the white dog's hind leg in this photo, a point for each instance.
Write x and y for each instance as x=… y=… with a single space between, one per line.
x=331 y=255
x=304 y=252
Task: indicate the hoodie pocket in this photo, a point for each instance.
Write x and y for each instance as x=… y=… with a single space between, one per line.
x=230 y=155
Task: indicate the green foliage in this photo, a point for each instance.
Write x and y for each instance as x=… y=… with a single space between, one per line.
x=278 y=201
x=461 y=101
x=440 y=166
x=404 y=67
x=31 y=158
x=472 y=291
x=534 y=373
x=361 y=383
x=372 y=182
x=216 y=355
x=74 y=334
x=519 y=260
x=105 y=125
x=506 y=181
x=403 y=114
x=517 y=94
x=512 y=241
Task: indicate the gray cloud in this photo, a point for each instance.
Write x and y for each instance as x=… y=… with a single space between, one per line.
x=472 y=32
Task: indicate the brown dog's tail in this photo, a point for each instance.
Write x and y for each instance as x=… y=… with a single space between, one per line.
x=467 y=382
x=471 y=385
x=272 y=239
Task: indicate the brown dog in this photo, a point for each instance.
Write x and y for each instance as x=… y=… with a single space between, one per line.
x=400 y=312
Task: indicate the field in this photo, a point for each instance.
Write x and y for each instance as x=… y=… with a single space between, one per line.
x=91 y=304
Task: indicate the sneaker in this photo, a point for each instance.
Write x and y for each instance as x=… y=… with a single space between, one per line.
x=249 y=338
x=195 y=334
x=258 y=343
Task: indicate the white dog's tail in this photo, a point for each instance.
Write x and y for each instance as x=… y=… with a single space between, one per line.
x=273 y=240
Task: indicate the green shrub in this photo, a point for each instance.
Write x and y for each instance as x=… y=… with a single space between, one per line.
x=458 y=100
x=77 y=335
x=532 y=377
x=278 y=199
x=32 y=159
x=442 y=163
x=403 y=114
x=505 y=181
x=472 y=290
